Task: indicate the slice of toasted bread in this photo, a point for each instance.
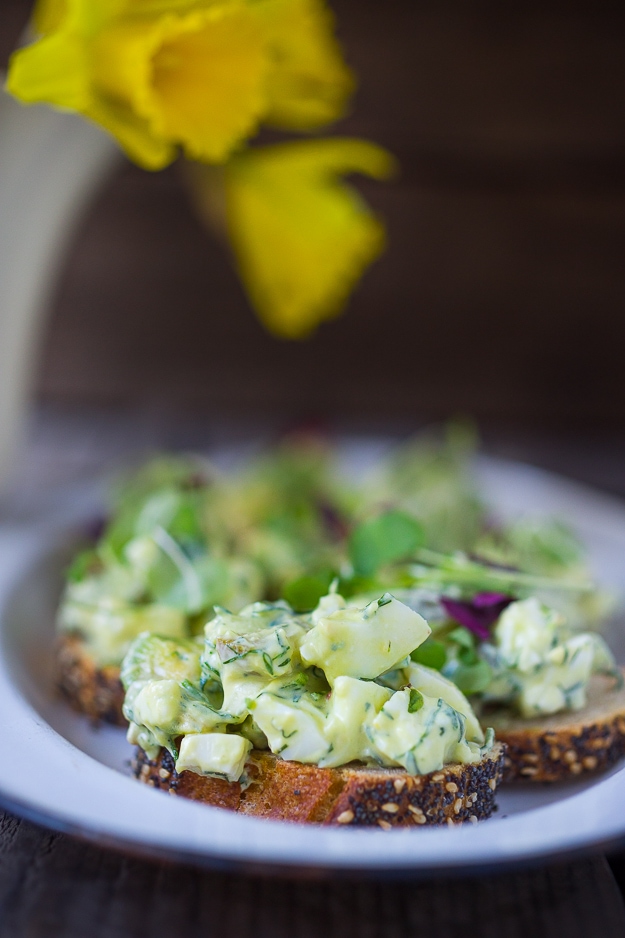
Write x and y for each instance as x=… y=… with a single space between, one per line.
x=351 y=795
x=565 y=745
x=96 y=692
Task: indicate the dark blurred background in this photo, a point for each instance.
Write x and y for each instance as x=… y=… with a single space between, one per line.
x=502 y=293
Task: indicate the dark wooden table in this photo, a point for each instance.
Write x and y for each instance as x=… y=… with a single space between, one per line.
x=53 y=886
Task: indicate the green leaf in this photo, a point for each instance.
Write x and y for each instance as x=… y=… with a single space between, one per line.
x=472 y=678
x=388 y=538
x=431 y=653
x=304 y=593
x=416 y=700
x=358 y=585
x=463 y=637
x=466 y=644
x=84 y=564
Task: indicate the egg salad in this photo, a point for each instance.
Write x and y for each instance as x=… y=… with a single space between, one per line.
x=335 y=686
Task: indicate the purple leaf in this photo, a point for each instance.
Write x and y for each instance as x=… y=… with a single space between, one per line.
x=487 y=600
x=478 y=614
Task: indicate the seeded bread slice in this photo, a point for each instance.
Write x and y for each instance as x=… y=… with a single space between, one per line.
x=565 y=745
x=95 y=692
x=351 y=795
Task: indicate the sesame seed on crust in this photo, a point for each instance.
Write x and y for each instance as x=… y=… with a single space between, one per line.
x=565 y=745
x=350 y=796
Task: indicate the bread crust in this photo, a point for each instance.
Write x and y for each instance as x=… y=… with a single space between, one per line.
x=95 y=692
x=353 y=795
x=565 y=745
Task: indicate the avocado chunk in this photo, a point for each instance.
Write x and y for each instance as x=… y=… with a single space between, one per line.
x=151 y=657
x=363 y=643
x=221 y=755
x=353 y=705
x=422 y=738
x=432 y=683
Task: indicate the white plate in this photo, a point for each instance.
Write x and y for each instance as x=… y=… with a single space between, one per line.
x=63 y=773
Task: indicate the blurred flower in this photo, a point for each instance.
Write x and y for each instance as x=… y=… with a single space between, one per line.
x=301 y=236
x=201 y=76
x=196 y=74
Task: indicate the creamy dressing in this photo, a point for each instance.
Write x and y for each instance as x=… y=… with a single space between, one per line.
x=421 y=738
x=312 y=689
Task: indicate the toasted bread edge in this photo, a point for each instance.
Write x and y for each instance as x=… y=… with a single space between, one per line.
x=566 y=745
x=356 y=796
x=554 y=756
x=95 y=692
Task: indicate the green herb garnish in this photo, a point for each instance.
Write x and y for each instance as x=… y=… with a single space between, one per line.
x=416 y=700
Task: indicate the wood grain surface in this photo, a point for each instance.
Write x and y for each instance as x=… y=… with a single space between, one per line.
x=52 y=886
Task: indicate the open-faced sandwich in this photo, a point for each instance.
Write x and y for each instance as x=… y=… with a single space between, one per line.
x=318 y=718
x=513 y=611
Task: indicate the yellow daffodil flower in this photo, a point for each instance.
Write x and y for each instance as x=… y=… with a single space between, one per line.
x=300 y=235
x=196 y=74
x=201 y=76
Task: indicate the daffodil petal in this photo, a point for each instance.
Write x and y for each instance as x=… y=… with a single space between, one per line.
x=301 y=236
x=92 y=16
x=49 y=15
x=53 y=70
x=162 y=7
x=308 y=84
x=85 y=18
x=133 y=134
x=208 y=81
x=56 y=70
